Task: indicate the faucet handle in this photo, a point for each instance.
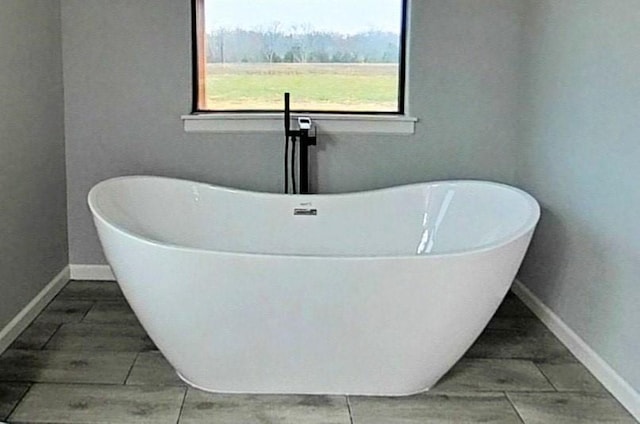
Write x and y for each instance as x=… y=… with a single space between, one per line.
x=304 y=123
x=304 y=126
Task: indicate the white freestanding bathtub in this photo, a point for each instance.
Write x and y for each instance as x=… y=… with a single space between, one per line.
x=374 y=293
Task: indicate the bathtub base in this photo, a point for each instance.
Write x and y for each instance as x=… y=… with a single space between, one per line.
x=318 y=393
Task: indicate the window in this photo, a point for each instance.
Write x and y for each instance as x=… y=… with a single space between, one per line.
x=333 y=56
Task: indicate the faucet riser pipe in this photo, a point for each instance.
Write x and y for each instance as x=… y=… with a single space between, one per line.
x=304 y=165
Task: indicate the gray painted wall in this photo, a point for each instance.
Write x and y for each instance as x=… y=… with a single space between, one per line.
x=580 y=156
x=33 y=223
x=127 y=82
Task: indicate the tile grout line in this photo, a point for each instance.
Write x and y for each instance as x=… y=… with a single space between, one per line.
x=184 y=399
x=19 y=401
x=39 y=315
x=93 y=305
x=133 y=364
x=44 y=346
x=77 y=383
x=513 y=406
x=31 y=382
x=545 y=376
x=349 y=409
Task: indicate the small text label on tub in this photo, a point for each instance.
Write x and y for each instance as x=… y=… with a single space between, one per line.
x=305 y=212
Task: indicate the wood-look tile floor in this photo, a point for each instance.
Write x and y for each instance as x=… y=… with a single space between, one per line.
x=86 y=359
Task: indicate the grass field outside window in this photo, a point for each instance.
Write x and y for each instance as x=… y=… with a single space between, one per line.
x=314 y=86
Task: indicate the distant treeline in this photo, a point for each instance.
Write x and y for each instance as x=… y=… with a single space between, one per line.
x=273 y=45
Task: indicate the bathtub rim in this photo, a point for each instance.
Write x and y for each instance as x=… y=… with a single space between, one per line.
x=527 y=227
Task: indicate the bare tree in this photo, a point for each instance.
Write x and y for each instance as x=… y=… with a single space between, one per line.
x=216 y=45
x=221 y=34
x=304 y=46
x=270 y=37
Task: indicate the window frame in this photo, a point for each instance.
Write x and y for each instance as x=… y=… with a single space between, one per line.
x=198 y=34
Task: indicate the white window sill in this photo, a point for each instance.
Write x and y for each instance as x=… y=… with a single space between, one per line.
x=325 y=123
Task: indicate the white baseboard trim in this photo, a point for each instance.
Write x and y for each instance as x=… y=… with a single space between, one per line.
x=92 y=272
x=609 y=378
x=21 y=321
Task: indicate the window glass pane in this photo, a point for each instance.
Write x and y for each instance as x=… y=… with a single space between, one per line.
x=331 y=55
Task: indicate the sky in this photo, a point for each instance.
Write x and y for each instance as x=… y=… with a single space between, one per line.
x=344 y=16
